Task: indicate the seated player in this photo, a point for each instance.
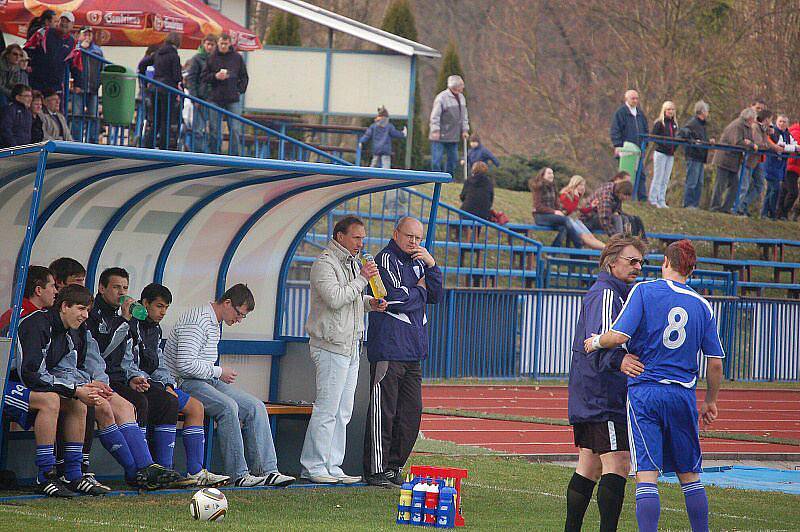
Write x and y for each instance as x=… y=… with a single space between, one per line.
x=667 y=324
x=109 y=323
x=149 y=363
x=39 y=293
x=68 y=271
x=58 y=354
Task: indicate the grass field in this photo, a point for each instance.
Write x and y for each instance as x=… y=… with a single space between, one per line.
x=501 y=494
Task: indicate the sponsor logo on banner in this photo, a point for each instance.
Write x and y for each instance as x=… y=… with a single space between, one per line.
x=244 y=40
x=124 y=19
x=94 y=17
x=102 y=36
x=166 y=24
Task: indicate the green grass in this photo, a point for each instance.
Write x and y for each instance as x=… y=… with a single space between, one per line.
x=500 y=494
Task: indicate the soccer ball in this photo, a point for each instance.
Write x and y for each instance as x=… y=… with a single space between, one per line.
x=208 y=504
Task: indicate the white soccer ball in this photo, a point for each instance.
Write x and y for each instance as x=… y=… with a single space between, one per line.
x=208 y=504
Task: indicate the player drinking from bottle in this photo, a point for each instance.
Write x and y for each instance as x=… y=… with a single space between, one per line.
x=336 y=328
x=667 y=324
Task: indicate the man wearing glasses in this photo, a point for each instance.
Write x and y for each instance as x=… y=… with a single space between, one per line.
x=397 y=341
x=191 y=353
x=16 y=118
x=598 y=387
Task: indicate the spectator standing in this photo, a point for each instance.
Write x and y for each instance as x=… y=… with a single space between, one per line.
x=598 y=390
x=10 y=73
x=752 y=182
x=477 y=197
x=696 y=157
x=663 y=155
x=449 y=123
x=789 y=192
x=16 y=119
x=85 y=118
x=243 y=425
x=479 y=152
x=397 y=342
x=336 y=328
x=37 y=117
x=627 y=125
x=147 y=91
x=381 y=132
x=775 y=167
x=546 y=210
x=226 y=72
x=570 y=199
x=44 y=22
x=200 y=89
x=737 y=133
x=167 y=70
x=48 y=51
x=54 y=124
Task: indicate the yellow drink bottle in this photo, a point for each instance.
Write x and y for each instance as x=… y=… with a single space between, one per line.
x=375 y=282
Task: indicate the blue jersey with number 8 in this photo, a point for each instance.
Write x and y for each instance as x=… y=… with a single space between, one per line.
x=668 y=324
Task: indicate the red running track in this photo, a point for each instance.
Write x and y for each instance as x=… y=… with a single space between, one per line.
x=773 y=413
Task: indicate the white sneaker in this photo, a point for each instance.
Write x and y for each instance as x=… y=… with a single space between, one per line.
x=279 y=479
x=206 y=478
x=348 y=479
x=320 y=479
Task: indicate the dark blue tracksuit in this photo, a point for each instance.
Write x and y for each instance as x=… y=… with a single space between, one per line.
x=397 y=340
x=597 y=388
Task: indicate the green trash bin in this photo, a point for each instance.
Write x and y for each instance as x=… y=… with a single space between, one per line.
x=119 y=94
x=629 y=158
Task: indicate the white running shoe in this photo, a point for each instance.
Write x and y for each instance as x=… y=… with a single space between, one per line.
x=320 y=479
x=206 y=478
x=348 y=479
x=279 y=479
x=270 y=479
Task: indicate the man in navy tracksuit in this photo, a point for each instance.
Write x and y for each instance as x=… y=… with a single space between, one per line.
x=397 y=341
x=598 y=389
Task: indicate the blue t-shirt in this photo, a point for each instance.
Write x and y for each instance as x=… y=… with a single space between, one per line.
x=668 y=324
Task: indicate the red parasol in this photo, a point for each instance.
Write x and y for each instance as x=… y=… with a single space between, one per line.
x=140 y=23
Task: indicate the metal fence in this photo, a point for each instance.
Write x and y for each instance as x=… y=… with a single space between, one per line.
x=509 y=333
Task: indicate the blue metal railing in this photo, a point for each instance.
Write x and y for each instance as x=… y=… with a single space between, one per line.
x=159 y=123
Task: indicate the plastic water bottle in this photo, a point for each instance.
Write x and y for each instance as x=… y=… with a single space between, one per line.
x=150 y=72
x=138 y=310
x=403 y=514
x=446 y=511
x=418 y=493
x=375 y=282
x=431 y=502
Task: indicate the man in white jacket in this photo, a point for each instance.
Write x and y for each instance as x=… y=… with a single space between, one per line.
x=335 y=326
x=242 y=421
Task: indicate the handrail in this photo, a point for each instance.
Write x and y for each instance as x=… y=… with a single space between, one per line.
x=225 y=112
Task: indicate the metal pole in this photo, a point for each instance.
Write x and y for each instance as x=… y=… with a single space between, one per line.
x=639 y=171
x=410 y=116
x=431 y=235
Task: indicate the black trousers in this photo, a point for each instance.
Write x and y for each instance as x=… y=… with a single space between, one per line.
x=787 y=195
x=156 y=406
x=393 y=416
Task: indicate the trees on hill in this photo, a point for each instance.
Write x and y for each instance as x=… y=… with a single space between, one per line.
x=284 y=30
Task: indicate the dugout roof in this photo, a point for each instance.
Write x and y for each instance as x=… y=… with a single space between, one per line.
x=196 y=223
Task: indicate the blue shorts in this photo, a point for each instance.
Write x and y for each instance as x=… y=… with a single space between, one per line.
x=17 y=402
x=183 y=398
x=663 y=428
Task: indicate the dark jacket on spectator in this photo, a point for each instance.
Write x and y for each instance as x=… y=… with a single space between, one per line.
x=112 y=334
x=381 y=133
x=695 y=130
x=545 y=198
x=48 y=68
x=401 y=333
x=37 y=130
x=480 y=153
x=477 y=195
x=776 y=166
x=227 y=90
x=197 y=87
x=626 y=127
x=735 y=133
x=667 y=128
x=597 y=388
x=92 y=68
x=606 y=205
x=168 y=65
x=15 y=125
x=10 y=75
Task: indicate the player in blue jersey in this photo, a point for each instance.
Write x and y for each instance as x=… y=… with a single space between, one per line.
x=667 y=324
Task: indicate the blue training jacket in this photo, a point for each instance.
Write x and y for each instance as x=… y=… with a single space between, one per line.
x=381 y=137
x=400 y=333
x=597 y=388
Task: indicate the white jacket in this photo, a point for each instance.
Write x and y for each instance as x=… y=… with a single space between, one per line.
x=336 y=312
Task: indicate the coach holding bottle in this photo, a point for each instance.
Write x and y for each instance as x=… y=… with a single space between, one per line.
x=397 y=342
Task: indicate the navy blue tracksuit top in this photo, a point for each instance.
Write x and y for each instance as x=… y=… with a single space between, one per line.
x=400 y=334
x=597 y=388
